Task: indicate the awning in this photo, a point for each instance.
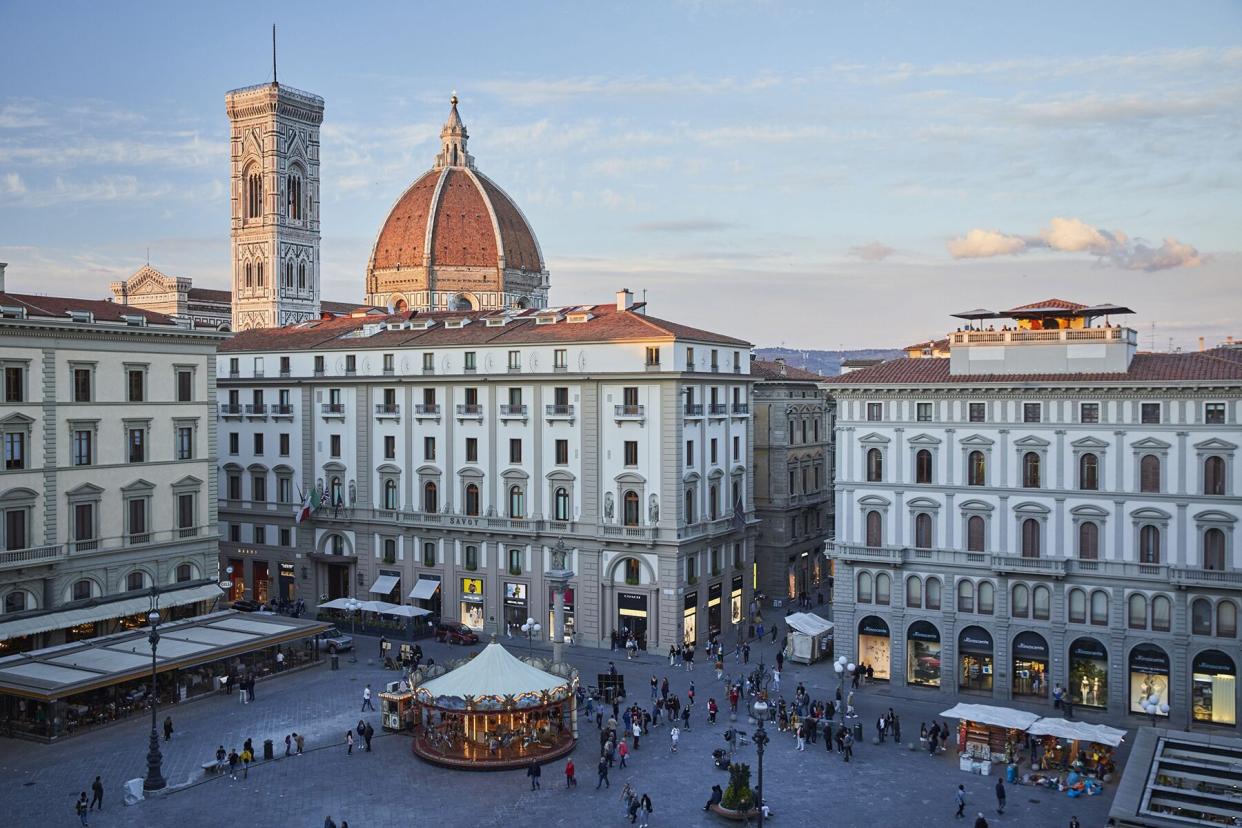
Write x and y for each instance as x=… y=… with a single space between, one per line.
x=405 y=612
x=385 y=584
x=807 y=623
x=375 y=606
x=990 y=715
x=424 y=589
x=1078 y=731
x=105 y=611
x=336 y=604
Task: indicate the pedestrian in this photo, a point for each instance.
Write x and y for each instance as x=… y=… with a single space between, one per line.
x=80 y=807
x=623 y=751
x=801 y=735
x=571 y=781
x=1057 y=694
x=328 y=823
x=896 y=725
x=1073 y=823
x=644 y=811
x=349 y=743
x=959 y=799
x=97 y=793
x=288 y=744
x=880 y=725
x=849 y=745
x=602 y=770
x=933 y=737
x=685 y=717
x=775 y=628
x=980 y=822
x=168 y=728
x=746 y=653
x=534 y=772
x=367 y=733
x=247 y=757
x=234 y=760
x=675 y=735
x=366 y=698
x=299 y=740
x=280 y=661
x=655 y=687
x=1000 y=794
x=849 y=706
x=250 y=680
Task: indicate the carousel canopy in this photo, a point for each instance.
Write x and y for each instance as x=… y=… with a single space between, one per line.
x=991 y=715
x=1077 y=731
x=493 y=673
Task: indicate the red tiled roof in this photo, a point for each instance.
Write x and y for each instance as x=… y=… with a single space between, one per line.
x=1061 y=304
x=58 y=307
x=1145 y=367
x=404 y=234
x=771 y=370
x=343 y=307
x=209 y=295
x=607 y=324
x=521 y=250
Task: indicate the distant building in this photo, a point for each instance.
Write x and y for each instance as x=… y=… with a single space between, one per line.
x=857 y=364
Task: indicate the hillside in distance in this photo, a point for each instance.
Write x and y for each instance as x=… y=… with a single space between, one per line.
x=825 y=363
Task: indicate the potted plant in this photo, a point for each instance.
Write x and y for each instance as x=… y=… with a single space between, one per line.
x=738 y=800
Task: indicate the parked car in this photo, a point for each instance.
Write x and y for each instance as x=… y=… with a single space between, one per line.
x=454 y=632
x=247 y=605
x=333 y=640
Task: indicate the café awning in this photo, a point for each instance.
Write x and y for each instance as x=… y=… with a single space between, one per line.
x=1078 y=731
x=105 y=611
x=385 y=584
x=337 y=604
x=989 y=714
x=424 y=589
x=404 y=611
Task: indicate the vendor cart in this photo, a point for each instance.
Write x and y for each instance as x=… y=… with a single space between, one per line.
x=396 y=710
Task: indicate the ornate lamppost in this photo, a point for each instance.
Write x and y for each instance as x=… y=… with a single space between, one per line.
x=761 y=740
x=842 y=667
x=155 y=777
x=353 y=605
x=531 y=628
x=1154 y=708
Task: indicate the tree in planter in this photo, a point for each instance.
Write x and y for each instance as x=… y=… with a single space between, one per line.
x=738 y=796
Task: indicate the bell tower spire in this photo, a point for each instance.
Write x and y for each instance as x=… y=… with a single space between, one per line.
x=453 y=139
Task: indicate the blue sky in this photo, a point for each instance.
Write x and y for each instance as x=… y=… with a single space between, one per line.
x=814 y=174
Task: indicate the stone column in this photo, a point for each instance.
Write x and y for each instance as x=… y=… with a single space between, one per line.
x=558 y=578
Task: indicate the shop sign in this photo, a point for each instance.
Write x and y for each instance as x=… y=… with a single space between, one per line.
x=463 y=521
x=737 y=583
x=1147 y=658
x=1030 y=645
x=1088 y=648
x=515 y=595
x=713 y=595
x=872 y=625
x=1213 y=663
x=471 y=586
x=286 y=570
x=923 y=631
x=569 y=597
x=975 y=640
x=632 y=600
x=691 y=601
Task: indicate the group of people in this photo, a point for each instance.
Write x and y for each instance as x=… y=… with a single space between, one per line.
x=631 y=642
x=244 y=681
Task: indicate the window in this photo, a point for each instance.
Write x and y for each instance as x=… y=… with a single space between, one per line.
x=931 y=593
x=82 y=590
x=561 y=503
x=469 y=361
x=1201 y=617
x=1089 y=412
x=284 y=372
x=864 y=587
x=976 y=469
x=1030 y=538
x=737 y=449
x=923 y=412
x=390 y=550
x=653 y=356
x=923 y=466
x=689 y=359
x=1077 y=606
x=560 y=359
x=1214 y=550
x=1021 y=607
x=82 y=384
x=430 y=497
x=185 y=385
x=875 y=465
x=234 y=442
x=515 y=561
x=15 y=529
x=1149 y=473
x=429 y=448
x=334 y=445
x=429 y=554
x=713 y=502
x=472 y=558
x=515 y=399
x=1041 y=602
x=914 y=592
x=284 y=489
x=258 y=487
x=629 y=510
x=1089 y=541
x=965 y=596
x=517 y=502
x=923 y=531
x=472 y=499
x=284 y=445
x=258 y=444
x=1214 y=413
x=318 y=365
x=472 y=449
x=875 y=529
x=14 y=383
x=1089 y=472
x=351 y=364
x=15 y=601
x=515 y=360
x=137 y=520
x=293 y=193
x=391 y=498
x=1099 y=607
x=1030 y=470
x=689 y=505
x=1149 y=545
x=390 y=447
x=689 y=452
x=875 y=412
x=1149 y=412
x=1137 y=611
x=712 y=453
x=254 y=193
x=975 y=533
x=137 y=445
x=1031 y=412
x=987 y=597
x=1227 y=619
x=1214 y=475
x=185 y=443
x=883 y=586
x=15 y=449
x=1161 y=613
x=234 y=486
x=135 y=581
x=631 y=452
x=977 y=412
x=515 y=450
x=429 y=362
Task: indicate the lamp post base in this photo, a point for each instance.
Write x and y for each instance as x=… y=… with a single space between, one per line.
x=155 y=777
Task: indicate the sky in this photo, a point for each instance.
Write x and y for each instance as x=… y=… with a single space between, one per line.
x=814 y=175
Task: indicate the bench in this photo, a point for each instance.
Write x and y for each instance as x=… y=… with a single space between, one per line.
x=212 y=766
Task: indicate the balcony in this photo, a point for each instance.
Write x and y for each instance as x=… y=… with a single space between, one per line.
x=741 y=409
x=559 y=412
x=515 y=369
x=560 y=369
x=513 y=412
x=422 y=410
x=630 y=412
x=715 y=367
x=230 y=410
x=333 y=411
x=1182 y=577
x=651 y=366
x=694 y=409
x=391 y=411
x=282 y=411
x=34 y=556
x=635 y=533
x=1005 y=564
x=1020 y=337
x=428 y=370
x=718 y=409
x=256 y=411
x=469 y=411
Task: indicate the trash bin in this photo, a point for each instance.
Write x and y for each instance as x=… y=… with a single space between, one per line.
x=335 y=661
x=858 y=734
x=267 y=749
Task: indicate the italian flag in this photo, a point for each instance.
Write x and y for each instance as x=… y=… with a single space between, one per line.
x=309 y=503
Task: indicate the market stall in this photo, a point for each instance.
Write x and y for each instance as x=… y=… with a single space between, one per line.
x=397 y=709
x=810 y=638
x=495 y=711
x=987 y=734
x=1077 y=747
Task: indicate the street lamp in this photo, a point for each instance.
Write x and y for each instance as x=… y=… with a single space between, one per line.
x=1153 y=707
x=843 y=668
x=353 y=605
x=761 y=740
x=155 y=776
x=531 y=628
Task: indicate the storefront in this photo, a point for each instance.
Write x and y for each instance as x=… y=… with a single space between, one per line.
x=713 y=610
x=923 y=654
x=288 y=582
x=473 y=611
x=1088 y=673
x=874 y=646
x=1030 y=665
x=261 y=582
x=237 y=588
x=569 y=611
x=1213 y=688
x=735 y=601
x=689 y=618
x=632 y=616
x=1149 y=676
x=427 y=590
x=974 y=647
x=516 y=607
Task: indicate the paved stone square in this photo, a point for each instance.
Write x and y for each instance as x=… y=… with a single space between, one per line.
x=884 y=785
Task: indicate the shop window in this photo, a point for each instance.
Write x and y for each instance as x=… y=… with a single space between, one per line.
x=923 y=531
x=472 y=499
x=931 y=593
x=1030 y=470
x=864 y=588
x=431 y=499
x=965 y=596
x=975 y=527
x=987 y=597
x=1020 y=607
x=976 y=469
x=1099 y=607
x=1077 y=606
x=1149 y=545
x=1149 y=473
x=875 y=465
x=1088 y=540
x=883 y=587
x=1088 y=673
x=429 y=554
x=923 y=466
x=1226 y=619
x=561 y=503
x=1161 y=613
x=472 y=558
x=914 y=592
x=923 y=659
x=1089 y=472
x=1214 y=688
x=1030 y=538
x=1214 y=550
x=875 y=529
x=1214 y=475
x=1041 y=602
x=1137 y=611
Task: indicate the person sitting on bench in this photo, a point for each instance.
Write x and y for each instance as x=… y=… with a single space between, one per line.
x=717 y=795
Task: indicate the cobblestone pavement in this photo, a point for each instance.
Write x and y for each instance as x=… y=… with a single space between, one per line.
x=884 y=786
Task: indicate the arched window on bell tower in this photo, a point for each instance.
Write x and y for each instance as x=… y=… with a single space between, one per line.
x=258 y=274
x=254 y=193
x=302 y=275
x=293 y=187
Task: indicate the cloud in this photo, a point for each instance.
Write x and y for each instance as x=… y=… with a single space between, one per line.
x=1072 y=235
x=12 y=184
x=873 y=252
x=534 y=91
x=685 y=226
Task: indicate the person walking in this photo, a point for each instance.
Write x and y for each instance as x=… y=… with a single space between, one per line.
x=1000 y=795
x=637 y=730
x=571 y=781
x=534 y=772
x=655 y=687
x=300 y=741
x=349 y=743
x=644 y=811
x=168 y=728
x=81 y=808
x=776 y=680
x=247 y=756
x=685 y=717
x=980 y=822
x=746 y=653
x=880 y=725
x=623 y=751
x=96 y=794
x=602 y=770
x=366 y=699
x=959 y=798
x=849 y=745
x=801 y=734
x=675 y=735
x=367 y=733
x=896 y=726
x=234 y=759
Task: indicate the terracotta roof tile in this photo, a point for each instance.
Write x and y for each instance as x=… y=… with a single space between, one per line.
x=58 y=307
x=771 y=370
x=463 y=235
x=402 y=238
x=1061 y=304
x=210 y=295
x=521 y=250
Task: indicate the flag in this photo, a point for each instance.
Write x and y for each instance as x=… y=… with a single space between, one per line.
x=739 y=515
x=310 y=502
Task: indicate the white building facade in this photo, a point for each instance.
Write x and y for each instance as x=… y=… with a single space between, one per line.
x=1008 y=522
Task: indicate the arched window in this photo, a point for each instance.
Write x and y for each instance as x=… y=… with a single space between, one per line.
x=390 y=495
x=923 y=531
x=295 y=196
x=1089 y=540
x=472 y=499
x=472 y=558
x=1149 y=473
x=1030 y=470
x=965 y=596
x=258 y=274
x=630 y=507
x=1149 y=545
x=1077 y=606
x=431 y=499
x=185 y=572
x=289 y=274
x=15 y=601
x=914 y=592
x=931 y=593
x=976 y=469
x=883 y=588
x=1137 y=606
x=561 y=503
x=517 y=502
x=1089 y=472
x=1021 y=606
x=1201 y=617
x=975 y=533
x=1099 y=607
x=249 y=274
x=1041 y=602
x=987 y=597
x=301 y=275
x=135 y=581
x=1030 y=538
x=1226 y=619
x=864 y=587
x=875 y=465
x=335 y=495
x=254 y=194
x=875 y=529
x=713 y=498
x=1214 y=550
x=1161 y=613
x=923 y=466
x=632 y=573
x=1214 y=475
x=689 y=505
x=429 y=554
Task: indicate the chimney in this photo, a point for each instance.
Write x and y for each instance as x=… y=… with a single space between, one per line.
x=3 y=265
x=1201 y=346
x=625 y=299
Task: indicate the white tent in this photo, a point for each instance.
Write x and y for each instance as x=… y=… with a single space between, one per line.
x=1078 y=731
x=493 y=673
x=375 y=606
x=337 y=604
x=990 y=715
x=405 y=611
x=810 y=637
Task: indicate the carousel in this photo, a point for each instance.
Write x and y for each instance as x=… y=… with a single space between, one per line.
x=495 y=711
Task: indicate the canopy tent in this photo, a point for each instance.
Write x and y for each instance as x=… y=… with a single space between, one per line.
x=337 y=604
x=1078 y=731
x=103 y=611
x=493 y=674
x=990 y=715
x=405 y=612
x=424 y=589
x=384 y=584
x=808 y=624
x=810 y=637
x=375 y=606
